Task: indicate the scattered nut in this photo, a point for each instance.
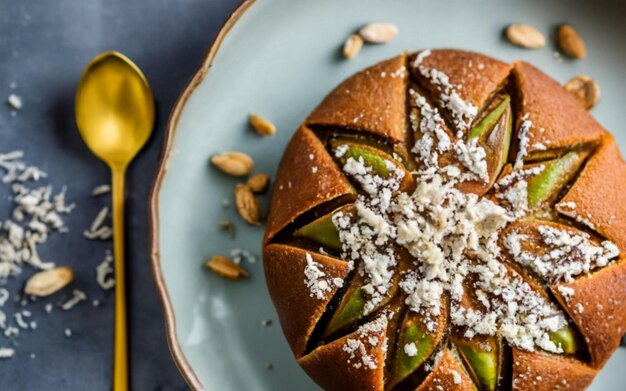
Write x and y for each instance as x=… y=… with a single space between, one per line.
x=226 y=268
x=259 y=182
x=585 y=89
x=570 y=42
x=49 y=281
x=262 y=125
x=233 y=163
x=525 y=36
x=352 y=46
x=247 y=205
x=378 y=32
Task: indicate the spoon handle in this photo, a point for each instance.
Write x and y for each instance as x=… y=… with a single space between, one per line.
x=120 y=351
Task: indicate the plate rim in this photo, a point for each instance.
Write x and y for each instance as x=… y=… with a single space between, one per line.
x=162 y=168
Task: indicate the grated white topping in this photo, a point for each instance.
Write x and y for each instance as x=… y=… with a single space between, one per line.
x=6 y=352
x=316 y=280
x=77 y=297
x=410 y=349
x=98 y=230
x=367 y=339
x=238 y=255
x=100 y=190
x=567 y=254
x=523 y=134
x=104 y=272
x=435 y=141
x=36 y=214
x=456 y=377
x=463 y=113
x=566 y=292
x=451 y=235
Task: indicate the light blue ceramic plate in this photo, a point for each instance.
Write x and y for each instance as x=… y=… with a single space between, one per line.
x=279 y=58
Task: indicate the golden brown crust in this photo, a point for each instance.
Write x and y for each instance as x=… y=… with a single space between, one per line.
x=480 y=76
x=297 y=310
x=334 y=367
x=598 y=195
x=558 y=120
x=448 y=374
x=598 y=308
x=539 y=371
x=371 y=101
x=313 y=188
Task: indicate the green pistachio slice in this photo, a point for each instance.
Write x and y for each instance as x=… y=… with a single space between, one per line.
x=556 y=174
x=483 y=362
x=323 y=231
x=566 y=339
x=414 y=334
x=350 y=309
x=489 y=121
x=381 y=163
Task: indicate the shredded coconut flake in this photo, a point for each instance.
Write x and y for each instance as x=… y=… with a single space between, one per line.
x=410 y=349
x=463 y=113
x=316 y=280
x=6 y=352
x=104 y=272
x=361 y=350
x=523 y=134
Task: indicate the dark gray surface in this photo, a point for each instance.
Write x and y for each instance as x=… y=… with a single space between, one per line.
x=44 y=46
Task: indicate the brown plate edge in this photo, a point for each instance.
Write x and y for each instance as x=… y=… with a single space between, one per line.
x=155 y=260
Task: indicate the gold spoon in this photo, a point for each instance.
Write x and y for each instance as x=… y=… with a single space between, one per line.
x=115 y=116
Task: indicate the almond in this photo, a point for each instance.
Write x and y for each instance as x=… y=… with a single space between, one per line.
x=570 y=42
x=233 y=163
x=378 y=32
x=247 y=205
x=261 y=125
x=525 y=36
x=352 y=46
x=259 y=182
x=49 y=281
x=585 y=90
x=224 y=267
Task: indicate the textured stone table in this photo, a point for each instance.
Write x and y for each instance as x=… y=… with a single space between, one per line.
x=44 y=46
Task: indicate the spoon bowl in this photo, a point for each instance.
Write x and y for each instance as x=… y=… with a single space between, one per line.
x=114 y=108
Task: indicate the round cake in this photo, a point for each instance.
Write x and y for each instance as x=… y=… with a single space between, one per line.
x=445 y=220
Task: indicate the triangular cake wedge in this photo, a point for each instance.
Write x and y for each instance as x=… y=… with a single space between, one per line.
x=448 y=374
x=372 y=101
x=600 y=184
x=473 y=77
x=299 y=309
x=353 y=362
x=539 y=371
x=596 y=304
x=554 y=118
x=314 y=186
